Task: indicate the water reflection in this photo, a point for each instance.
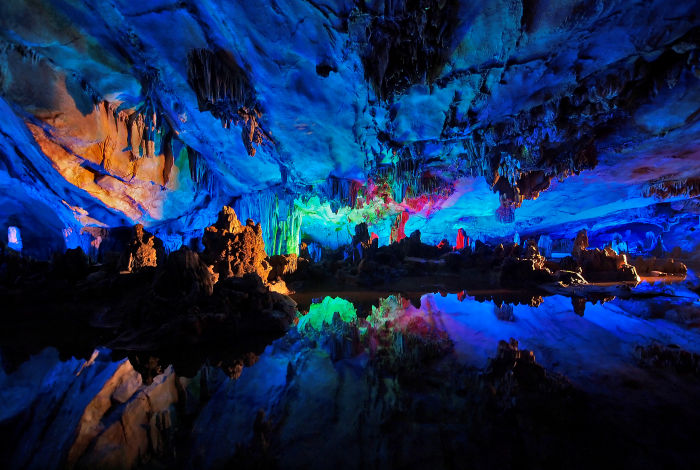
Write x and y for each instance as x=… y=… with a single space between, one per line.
x=393 y=359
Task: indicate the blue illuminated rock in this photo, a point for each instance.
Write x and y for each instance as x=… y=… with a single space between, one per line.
x=493 y=118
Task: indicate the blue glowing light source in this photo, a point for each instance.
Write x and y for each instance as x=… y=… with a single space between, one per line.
x=14 y=239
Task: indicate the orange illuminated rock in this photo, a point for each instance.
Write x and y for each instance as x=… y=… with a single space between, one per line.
x=606 y=266
x=143 y=428
x=233 y=249
x=143 y=250
x=283 y=265
x=665 y=266
x=107 y=153
x=120 y=388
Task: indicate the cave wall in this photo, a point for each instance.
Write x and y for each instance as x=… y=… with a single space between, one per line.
x=498 y=117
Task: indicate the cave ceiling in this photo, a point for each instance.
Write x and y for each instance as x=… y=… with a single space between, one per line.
x=500 y=116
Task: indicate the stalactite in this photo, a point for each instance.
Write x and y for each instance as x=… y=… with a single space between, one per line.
x=218 y=80
x=407 y=177
x=224 y=89
x=202 y=178
x=192 y=158
x=279 y=219
x=315 y=251
x=664 y=189
x=405 y=43
x=510 y=169
x=146 y=129
x=544 y=245
x=340 y=192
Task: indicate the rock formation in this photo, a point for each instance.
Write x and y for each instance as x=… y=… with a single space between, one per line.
x=606 y=266
x=363 y=245
x=529 y=269
x=233 y=249
x=185 y=275
x=580 y=243
x=144 y=250
x=653 y=265
x=283 y=265
x=670 y=357
x=96 y=414
x=599 y=265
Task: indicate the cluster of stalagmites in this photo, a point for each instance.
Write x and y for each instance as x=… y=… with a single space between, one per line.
x=143 y=299
x=581 y=267
x=659 y=266
x=233 y=249
x=602 y=265
x=364 y=263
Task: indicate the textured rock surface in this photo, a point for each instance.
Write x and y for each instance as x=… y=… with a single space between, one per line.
x=144 y=250
x=233 y=249
x=528 y=269
x=283 y=265
x=606 y=266
x=459 y=115
x=580 y=243
x=666 y=266
x=185 y=275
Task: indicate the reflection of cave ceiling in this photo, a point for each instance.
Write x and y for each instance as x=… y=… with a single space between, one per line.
x=162 y=111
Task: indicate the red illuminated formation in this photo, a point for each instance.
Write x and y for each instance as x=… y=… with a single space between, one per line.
x=461 y=239
x=397 y=228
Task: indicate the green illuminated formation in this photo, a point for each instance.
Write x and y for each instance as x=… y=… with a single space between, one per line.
x=323 y=313
x=389 y=309
x=279 y=218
